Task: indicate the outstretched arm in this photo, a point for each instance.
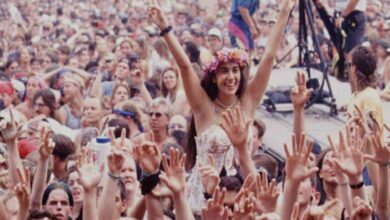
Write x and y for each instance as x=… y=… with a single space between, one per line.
x=196 y=95
x=39 y=183
x=299 y=96
x=256 y=86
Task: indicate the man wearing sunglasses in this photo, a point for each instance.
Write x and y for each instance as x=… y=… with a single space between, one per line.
x=159 y=113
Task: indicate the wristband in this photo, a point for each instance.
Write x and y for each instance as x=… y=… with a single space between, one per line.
x=166 y=30
x=356 y=186
x=114 y=177
x=149 y=182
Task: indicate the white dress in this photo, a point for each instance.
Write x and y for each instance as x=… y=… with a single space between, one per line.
x=213 y=140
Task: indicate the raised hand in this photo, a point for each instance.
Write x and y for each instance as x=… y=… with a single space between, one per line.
x=266 y=194
x=46 y=145
x=148 y=155
x=351 y=158
x=300 y=94
x=156 y=15
x=8 y=126
x=382 y=152
x=90 y=175
x=340 y=176
x=209 y=175
x=174 y=172
x=361 y=210
x=297 y=160
x=214 y=209
x=118 y=145
x=235 y=127
x=243 y=206
x=22 y=189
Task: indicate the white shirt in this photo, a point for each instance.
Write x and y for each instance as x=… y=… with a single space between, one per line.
x=342 y=4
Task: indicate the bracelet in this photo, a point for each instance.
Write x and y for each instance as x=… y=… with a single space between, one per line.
x=114 y=177
x=384 y=164
x=356 y=186
x=166 y=30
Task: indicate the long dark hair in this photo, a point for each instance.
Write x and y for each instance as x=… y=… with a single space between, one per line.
x=320 y=182
x=48 y=98
x=211 y=89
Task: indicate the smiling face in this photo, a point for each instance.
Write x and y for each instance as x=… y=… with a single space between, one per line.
x=169 y=80
x=227 y=78
x=75 y=187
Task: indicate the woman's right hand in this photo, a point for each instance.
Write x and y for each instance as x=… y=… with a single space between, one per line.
x=156 y=15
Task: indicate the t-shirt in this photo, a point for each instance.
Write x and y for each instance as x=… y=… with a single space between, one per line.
x=368 y=100
x=251 y=5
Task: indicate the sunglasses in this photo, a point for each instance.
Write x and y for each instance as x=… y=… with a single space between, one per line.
x=157 y=114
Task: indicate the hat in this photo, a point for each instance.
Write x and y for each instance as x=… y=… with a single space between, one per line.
x=215 y=32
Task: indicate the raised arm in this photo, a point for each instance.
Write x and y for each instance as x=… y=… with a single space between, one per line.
x=115 y=161
x=45 y=150
x=350 y=160
x=257 y=86
x=90 y=177
x=196 y=95
x=299 y=96
x=174 y=178
x=8 y=129
x=148 y=156
x=296 y=171
x=237 y=130
x=382 y=157
x=22 y=191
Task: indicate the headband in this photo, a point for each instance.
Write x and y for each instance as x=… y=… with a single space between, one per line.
x=228 y=55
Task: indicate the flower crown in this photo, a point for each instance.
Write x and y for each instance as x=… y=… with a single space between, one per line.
x=228 y=55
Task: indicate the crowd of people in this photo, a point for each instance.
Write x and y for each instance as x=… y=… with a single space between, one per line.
x=146 y=109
